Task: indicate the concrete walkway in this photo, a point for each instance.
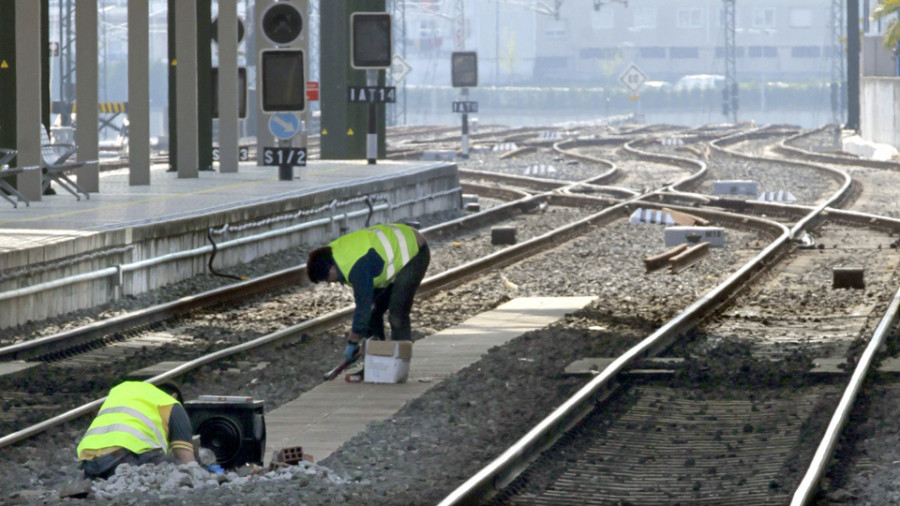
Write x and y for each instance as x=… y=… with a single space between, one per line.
x=324 y=418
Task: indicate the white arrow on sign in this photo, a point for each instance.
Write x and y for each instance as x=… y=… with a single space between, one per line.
x=288 y=127
x=399 y=69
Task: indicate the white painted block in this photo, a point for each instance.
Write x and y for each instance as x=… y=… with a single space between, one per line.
x=439 y=154
x=653 y=216
x=715 y=236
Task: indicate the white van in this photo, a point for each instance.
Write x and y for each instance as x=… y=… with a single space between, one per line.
x=700 y=82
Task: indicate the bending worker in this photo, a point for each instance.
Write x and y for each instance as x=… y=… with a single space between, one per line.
x=138 y=424
x=385 y=265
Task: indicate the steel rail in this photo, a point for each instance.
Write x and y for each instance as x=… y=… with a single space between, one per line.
x=444 y=280
x=502 y=470
x=294 y=275
x=809 y=485
x=499 y=472
x=783 y=148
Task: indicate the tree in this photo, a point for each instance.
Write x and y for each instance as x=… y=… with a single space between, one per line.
x=892 y=34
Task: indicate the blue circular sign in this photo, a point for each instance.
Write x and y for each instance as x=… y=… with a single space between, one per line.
x=284 y=125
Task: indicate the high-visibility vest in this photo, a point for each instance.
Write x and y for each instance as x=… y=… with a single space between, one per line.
x=129 y=418
x=396 y=244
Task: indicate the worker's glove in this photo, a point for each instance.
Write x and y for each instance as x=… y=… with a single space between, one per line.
x=351 y=353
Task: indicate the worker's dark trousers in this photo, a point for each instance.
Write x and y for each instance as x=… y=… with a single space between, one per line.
x=398 y=299
x=105 y=466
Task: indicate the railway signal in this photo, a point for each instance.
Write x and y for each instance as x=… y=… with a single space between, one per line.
x=464 y=74
x=282 y=42
x=370 y=50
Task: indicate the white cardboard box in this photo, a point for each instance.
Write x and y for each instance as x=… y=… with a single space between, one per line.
x=387 y=361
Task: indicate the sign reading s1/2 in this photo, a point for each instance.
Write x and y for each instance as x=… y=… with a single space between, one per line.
x=284 y=156
x=372 y=94
x=243 y=154
x=465 y=106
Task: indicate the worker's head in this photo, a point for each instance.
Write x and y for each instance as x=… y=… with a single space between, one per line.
x=320 y=265
x=171 y=388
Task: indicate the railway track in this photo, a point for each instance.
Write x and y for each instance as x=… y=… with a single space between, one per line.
x=121 y=337
x=644 y=397
x=661 y=441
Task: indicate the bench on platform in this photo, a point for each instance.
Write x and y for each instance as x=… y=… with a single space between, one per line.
x=55 y=164
x=6 y=189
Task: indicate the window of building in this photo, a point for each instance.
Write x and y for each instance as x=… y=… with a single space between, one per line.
x=739 y=52
x=806 y=52
x=653 y=52
x=603 y=53
x=644 y=18
x=684 y=52
x=557 y=29
x=689 y=18
x=801 y=18
x=764 y=17
x=762 y=51
x=602 y=19
x=550 y=63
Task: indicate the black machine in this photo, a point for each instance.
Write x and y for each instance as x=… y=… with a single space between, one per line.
x=233 y=427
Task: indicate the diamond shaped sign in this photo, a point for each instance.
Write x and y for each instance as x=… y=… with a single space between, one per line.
x=633 y=78
x=399 y=69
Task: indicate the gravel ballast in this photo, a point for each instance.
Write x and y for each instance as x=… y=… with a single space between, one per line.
x=437 y=441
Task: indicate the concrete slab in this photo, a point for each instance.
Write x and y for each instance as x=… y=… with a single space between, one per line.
x=153 y=370
x=324 y=418
x=16 y=366
x=829 y=365
x=890 y=364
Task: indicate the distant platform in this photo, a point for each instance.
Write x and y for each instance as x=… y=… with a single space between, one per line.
x=122 y=224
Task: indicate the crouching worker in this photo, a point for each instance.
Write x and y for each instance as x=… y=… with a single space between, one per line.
x=138 y=424
x=385 y=265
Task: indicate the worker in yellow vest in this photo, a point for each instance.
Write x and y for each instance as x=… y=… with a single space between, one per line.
x=138 y=424
x=385 y=265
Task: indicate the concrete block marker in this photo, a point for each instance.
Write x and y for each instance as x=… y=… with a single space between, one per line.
x=504 y=147
x=734 y=188
x=503 y=235
x=779 y=196
x=849 y=277
x=324 y=418
x=715 y=236
x=430 y=155
x=651 y=216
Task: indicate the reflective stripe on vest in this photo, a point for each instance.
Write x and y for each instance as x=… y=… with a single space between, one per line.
x=130 y=418
x=160 y=440
x=347 y=250
x=121 y=427
x=388 y=250
x=386 y=244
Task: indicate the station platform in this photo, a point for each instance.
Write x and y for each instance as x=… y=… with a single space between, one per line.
x=329 y=415
x=122 y=225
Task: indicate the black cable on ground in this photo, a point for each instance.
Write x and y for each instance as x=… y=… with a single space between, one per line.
x=213 y=256
x=371 y=210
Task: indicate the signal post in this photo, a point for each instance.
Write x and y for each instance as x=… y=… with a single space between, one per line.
x=464 y=74
x=281 y=78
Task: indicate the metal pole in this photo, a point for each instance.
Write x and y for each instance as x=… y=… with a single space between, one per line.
x=138 y=92
x=372 y=133
x=465 y=125
x=28 y=103
x=228 y=86
x=187 y=161
x=86 y=133
x=853 y=43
